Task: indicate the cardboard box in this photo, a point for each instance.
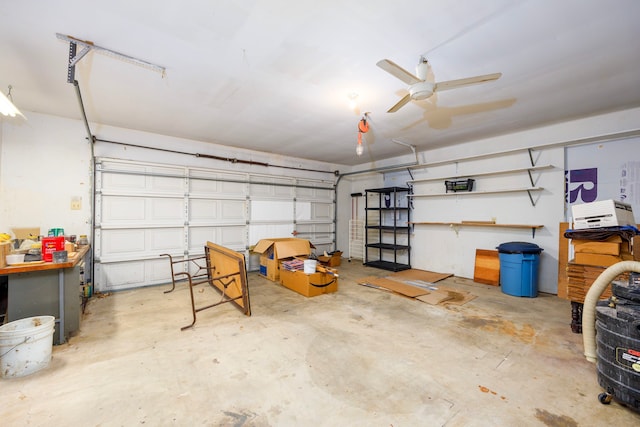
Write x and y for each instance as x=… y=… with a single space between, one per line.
x=593 y=247
x=26 y=233
x=333 y=260
x=635 y=248
x=605 y=213
x=600 y=260
x=273 y=251
x=51 y=245
x=309 y=285
x=579 y=280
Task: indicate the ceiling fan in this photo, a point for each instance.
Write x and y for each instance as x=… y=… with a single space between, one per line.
x=419 y=88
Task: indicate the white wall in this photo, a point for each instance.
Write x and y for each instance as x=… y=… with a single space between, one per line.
x=44 y=163
x=452 y=250
x=440 y=249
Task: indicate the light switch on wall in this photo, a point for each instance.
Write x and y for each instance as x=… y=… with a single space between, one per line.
x=76 y=203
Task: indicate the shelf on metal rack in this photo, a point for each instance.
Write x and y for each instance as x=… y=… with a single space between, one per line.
x=388 y=265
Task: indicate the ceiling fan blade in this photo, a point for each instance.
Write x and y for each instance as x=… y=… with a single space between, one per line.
x=397 y=71
x=454 y=84
x=400 y=104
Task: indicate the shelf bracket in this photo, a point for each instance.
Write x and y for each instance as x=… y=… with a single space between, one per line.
x=533 y=203
x=531 y=198
x=530 y=151
x=533 y=232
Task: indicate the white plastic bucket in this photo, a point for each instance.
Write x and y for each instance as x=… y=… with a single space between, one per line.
x=310 y=266
x=25 y=346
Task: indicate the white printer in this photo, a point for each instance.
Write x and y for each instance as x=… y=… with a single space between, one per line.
x=605 y=213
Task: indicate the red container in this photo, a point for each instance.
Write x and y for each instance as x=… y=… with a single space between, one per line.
x=51 y=245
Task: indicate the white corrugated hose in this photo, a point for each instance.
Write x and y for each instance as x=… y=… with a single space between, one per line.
x=589 y=307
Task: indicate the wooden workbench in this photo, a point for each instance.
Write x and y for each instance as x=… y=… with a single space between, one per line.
x=47 y=288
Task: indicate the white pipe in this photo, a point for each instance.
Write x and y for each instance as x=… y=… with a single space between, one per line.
x=589 y=307
x=412 y=147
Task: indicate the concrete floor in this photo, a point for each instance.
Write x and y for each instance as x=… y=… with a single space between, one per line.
x=359 y=357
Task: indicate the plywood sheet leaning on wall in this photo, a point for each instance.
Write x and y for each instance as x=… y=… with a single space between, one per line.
x=563 y=260
x=487 y=267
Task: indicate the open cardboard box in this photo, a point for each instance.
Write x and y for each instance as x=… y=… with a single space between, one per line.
x=273 y=251
x=26 y=233
x=309 y=285
x=332 y=260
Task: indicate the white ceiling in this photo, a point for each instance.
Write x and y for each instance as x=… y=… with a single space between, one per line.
x=275 y=75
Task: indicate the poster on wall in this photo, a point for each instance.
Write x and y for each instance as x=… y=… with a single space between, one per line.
x=603 y=171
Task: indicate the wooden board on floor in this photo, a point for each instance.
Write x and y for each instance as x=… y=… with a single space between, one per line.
x=422 y=275
x=487 y=267
x=393 y=285
x=437 y=295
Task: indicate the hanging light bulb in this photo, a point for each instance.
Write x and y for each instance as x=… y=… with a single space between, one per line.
x=363 y=127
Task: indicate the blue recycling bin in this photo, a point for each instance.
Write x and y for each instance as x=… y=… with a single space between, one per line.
x=519 y=263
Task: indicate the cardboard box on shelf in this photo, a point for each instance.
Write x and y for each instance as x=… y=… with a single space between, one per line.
x=594 y=247
x=600 y=260
x=605 y=213
x=309 y=285
x=273 y=251
x=580 y=278
x=333 y=260
x=635 y=248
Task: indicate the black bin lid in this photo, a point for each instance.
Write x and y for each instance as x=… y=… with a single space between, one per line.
x=519 y=248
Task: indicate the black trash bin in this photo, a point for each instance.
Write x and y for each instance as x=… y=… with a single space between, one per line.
x=519 y=263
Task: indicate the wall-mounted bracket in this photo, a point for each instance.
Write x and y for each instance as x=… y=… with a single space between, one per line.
x=75 y=57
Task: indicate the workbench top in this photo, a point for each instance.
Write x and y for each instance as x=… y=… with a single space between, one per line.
x=26 y=267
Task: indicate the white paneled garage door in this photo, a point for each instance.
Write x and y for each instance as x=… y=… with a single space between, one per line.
x=143 y=210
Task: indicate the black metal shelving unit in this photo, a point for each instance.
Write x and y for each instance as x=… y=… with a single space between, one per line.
x=387 y=231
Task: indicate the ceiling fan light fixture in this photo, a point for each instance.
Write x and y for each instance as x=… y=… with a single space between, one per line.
x=422 y=90
x=7 y=108
x=420 y=85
